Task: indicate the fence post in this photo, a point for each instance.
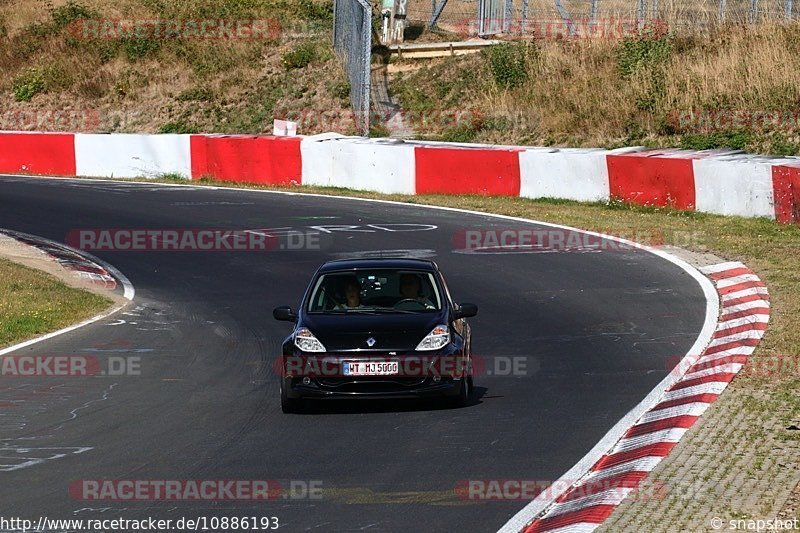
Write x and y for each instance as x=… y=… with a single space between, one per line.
x=437 y=12
x=352 y=41
x=335 y=26
x=640 y=14
x=366 y=58
x=564 y=14
x=524 y=22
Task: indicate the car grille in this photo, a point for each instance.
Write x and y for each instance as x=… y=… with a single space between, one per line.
x=361 y=384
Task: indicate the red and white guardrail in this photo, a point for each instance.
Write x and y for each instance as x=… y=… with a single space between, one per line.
x=727 y=183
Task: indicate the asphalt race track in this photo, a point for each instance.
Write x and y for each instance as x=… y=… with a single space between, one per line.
x=596 y=332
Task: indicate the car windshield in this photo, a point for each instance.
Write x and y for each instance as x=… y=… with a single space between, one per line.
x=375 y=291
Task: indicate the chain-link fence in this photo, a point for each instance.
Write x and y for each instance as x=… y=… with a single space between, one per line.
x=538 y=17
x=352 y=40
x=458 y=19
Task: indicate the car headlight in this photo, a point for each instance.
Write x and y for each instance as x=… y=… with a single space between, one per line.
x=306 y=341
x=437 y=338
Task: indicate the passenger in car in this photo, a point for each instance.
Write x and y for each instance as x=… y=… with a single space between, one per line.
x=352 y=293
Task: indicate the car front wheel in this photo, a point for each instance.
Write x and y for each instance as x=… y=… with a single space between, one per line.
x=462 y=399
x=289 y=405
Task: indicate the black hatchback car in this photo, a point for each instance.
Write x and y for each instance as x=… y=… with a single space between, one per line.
x=377 y=328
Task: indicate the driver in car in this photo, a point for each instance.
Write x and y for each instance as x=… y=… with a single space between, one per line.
x=411 y=289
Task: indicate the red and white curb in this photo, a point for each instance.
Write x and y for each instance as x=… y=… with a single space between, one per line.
x=84 y=268
x=583 y=506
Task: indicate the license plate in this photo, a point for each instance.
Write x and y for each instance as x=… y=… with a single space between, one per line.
x=370 y=369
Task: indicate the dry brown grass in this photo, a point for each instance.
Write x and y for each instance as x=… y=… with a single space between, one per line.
x=678 y=14
x=203 y=85
x=576 y=93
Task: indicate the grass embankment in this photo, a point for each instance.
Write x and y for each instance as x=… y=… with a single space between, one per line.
x=729 y=86
x=54 y=59
x=34 y=303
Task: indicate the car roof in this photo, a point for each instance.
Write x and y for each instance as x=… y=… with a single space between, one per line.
x=383 y=262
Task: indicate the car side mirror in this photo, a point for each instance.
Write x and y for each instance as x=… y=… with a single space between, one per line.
x=466 y=311
x=284 y=313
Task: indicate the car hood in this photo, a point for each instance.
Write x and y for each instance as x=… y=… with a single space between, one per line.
x=345 y=333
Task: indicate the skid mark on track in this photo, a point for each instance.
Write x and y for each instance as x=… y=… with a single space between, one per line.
x=74 y=412
x=25 y=400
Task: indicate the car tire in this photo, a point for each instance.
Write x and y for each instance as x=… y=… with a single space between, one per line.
x=462 y=399
x=471 y=380
x=289 y=405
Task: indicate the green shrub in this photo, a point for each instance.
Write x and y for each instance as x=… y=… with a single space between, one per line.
x=208 y=9
x=466 y=131
x=128 y=82
x=28 y=84
x=657 y=91
x=299 y=57
x=106 y=49
x=139 y=48
x=202 y=94
x=57 y=77
x=642 y=51
x=737 y=140
x=339 y=89
x=257 y=111
x=780 y=145
x=412 y=97
x=65 y=15
x=32 y=37
x=178 y=126
x=460 y=134
x=509 y=63
x=378 y=129
x=310 y=10
x=173 y=177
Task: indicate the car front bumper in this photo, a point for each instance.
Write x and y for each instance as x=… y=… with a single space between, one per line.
x=322 y=389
